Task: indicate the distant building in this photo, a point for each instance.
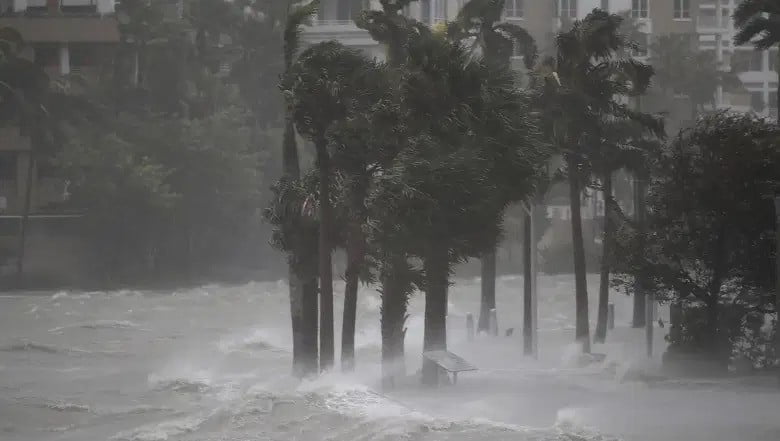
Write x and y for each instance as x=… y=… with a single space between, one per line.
x=64 y=37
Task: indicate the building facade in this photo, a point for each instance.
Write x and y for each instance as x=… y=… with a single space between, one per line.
x=707 y=21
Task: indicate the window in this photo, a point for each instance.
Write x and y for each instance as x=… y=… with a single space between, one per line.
x=773 y=99
x=682 y=9
x=8 y=166
x=772 y=61
x=605 y=5
x=565 y=8
x=439 y=10
x=514 y=8
x=757 y=101
x=568 y=9
x=757 y=61
x=425 y=11
x=639 y=9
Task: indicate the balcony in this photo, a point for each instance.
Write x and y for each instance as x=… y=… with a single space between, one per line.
x=708 y=24
x=345 y=31
x=64 y=28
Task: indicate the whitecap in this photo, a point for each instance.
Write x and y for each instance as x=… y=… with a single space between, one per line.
x=161 y=432
x=181 y=380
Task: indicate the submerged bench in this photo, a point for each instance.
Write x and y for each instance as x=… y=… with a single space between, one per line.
x=449 y=362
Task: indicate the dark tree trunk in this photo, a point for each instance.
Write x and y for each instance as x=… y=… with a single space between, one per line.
x=327 y=350
x=436 y=265
x=355 y=251
x=290 y=162
x=302 y=272
x=582 y=331
x=639 y=293
x=309 y=325
x=393 y=318
x=528 y=244
x=606 y=256
x=24 y=222
x=488 y=300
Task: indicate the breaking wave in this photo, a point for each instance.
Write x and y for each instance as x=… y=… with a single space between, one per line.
x=100 y=324
x=161 y=431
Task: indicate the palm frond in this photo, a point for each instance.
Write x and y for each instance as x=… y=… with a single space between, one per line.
x=299 y=16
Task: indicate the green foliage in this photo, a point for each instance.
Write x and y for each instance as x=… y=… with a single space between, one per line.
x=710 y=231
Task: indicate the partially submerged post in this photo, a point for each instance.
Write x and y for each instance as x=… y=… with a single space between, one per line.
x=470 y=327
x=493 y=323
x=611 y=316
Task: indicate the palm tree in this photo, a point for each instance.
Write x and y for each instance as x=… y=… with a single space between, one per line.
x=320 y=86
x=758 y=18
x=479 y=21
x=471 y=140
x=593 y=73
x=397 y=276
x=361 y=144
x=302 y=259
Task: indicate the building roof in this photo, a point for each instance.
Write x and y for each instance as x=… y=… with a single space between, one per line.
x=65 y=29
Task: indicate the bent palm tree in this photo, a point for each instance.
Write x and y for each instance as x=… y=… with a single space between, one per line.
x=322 y=91
x=480 y=22
x=758 y=18
x=302 y=257
x=593 y=73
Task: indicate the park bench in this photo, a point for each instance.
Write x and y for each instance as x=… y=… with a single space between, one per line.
x=449 y=363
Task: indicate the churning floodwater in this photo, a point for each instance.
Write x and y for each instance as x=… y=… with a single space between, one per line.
x=213 y=363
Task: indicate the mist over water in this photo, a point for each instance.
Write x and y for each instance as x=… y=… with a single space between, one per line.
x=213 y=363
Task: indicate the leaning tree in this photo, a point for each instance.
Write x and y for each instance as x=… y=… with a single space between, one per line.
x=479 y=24
x=594 y=72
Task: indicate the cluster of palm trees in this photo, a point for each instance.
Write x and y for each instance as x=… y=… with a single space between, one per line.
x=417 y=158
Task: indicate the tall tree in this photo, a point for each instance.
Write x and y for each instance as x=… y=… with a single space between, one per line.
x=361 y=145
x=320 y=86
x=302 y=273
x=758 y=21
x=480 y=22
x=391 y=28
x=593 y=74
x=459 y=173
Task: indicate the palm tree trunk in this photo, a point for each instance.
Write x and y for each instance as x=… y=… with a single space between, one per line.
x=436 y=265
x=528 y=343
x=582 y=331
x=290 y=162
x=639 y=294
x=355 y=253
x=606 y=253
x=309 y=322
x=393 y=317
x=488 y=280
x=327 y=351
x=24 y=223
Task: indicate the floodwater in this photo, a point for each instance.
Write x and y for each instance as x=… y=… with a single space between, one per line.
x=212 y=363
